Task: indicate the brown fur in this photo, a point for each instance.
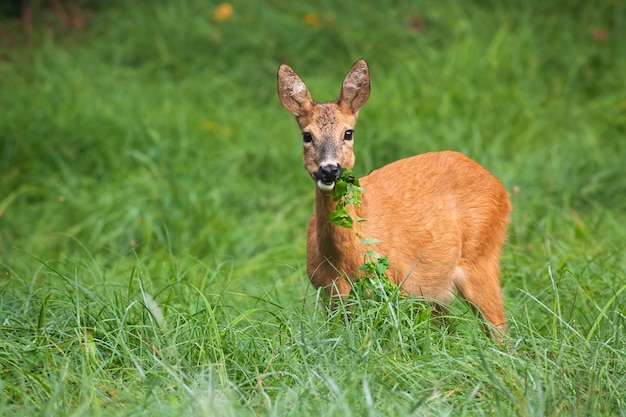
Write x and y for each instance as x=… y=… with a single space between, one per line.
x=440 y=217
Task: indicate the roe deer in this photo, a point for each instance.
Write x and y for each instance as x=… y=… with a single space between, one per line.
x=439 y=217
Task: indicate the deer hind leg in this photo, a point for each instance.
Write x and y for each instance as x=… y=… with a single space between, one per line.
x=479 y=284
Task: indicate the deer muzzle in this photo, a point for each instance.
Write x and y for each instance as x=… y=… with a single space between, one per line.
x=326 y=176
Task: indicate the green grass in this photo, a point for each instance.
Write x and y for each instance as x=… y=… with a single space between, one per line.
x=153 y=210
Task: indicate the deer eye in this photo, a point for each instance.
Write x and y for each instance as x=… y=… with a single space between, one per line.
x=307 y=137
x=348 y=135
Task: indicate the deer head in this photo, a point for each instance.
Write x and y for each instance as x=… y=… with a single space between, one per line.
x=327 y=128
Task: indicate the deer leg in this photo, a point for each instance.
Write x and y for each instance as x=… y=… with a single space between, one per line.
x=479 y=284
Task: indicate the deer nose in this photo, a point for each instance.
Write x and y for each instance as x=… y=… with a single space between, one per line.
x=329 y=173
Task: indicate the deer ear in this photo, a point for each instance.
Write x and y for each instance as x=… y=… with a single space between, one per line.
x=356 y=87
x=293 y=92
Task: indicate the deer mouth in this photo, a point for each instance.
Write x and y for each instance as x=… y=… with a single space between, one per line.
x=325 y=186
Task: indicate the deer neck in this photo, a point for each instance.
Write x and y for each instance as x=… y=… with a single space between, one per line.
x=333 y=240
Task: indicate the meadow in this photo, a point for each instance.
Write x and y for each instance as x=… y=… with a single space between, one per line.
x=153 y=209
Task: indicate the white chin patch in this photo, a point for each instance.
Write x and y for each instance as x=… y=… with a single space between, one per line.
x=325 y=187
